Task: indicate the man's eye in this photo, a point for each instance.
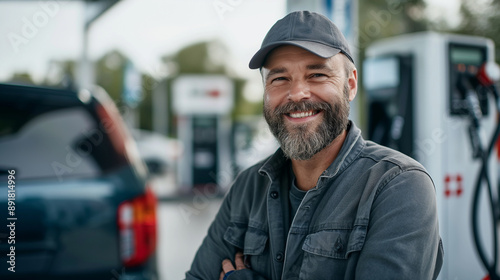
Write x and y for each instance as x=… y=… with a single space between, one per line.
x=278 y=79
x=317 y=75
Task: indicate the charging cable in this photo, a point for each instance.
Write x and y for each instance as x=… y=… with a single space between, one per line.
x=470 y=86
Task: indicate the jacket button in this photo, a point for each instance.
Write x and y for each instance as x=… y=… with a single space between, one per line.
x=338 y=247
x=279 y=257
x=274 y=194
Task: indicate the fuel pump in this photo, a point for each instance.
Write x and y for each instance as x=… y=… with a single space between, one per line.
x=432 y=96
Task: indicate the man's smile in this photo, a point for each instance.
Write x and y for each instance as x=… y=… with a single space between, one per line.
x=297 y=115
x=302 y=115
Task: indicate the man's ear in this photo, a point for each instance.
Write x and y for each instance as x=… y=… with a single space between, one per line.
x=353 y=83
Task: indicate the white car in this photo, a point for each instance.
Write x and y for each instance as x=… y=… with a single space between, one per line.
x=159 y=152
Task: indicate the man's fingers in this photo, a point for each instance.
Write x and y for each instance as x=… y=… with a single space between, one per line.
x=227 y=266
x=238 y=260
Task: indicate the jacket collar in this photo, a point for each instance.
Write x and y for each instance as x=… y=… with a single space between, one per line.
x=352 y=146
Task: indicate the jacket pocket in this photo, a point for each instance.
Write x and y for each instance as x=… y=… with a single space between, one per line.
x=251 y=240
x=253 y=243
x=328 y=243
x=335 y=243
x=331 y=253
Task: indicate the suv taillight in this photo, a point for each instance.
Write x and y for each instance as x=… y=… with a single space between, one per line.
x=137 y=229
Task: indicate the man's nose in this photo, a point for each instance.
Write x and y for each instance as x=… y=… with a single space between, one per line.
x=299 y=90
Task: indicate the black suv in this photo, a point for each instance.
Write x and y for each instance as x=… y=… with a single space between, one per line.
x=74 y=201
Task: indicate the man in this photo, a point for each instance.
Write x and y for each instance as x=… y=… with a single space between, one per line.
x=327 y=204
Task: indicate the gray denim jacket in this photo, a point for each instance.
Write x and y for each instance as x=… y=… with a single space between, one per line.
x=372 y=215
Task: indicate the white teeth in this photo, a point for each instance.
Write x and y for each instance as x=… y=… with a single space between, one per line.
x=301 y=114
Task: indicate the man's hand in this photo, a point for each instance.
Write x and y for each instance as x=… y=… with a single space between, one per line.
x=227 y=265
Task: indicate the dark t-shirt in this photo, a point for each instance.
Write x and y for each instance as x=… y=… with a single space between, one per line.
x=296 y=195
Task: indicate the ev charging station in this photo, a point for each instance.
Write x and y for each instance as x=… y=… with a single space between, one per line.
x=432 y=96
x=202 y=104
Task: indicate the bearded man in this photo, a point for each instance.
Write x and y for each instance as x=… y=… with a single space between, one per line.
x=327 y=204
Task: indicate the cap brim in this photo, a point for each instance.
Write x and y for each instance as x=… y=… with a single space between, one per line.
x=318 y=49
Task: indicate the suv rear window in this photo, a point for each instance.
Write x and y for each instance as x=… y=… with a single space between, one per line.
x=49 y=134
x=50 y=145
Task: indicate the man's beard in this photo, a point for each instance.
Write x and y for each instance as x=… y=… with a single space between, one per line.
x=299 y=141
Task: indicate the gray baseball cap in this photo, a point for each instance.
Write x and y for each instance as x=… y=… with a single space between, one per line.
x=308 y=30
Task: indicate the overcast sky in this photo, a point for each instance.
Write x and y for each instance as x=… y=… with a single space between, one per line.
x=32 y=33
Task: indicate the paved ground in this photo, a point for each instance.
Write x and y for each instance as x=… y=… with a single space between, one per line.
x=182 y=228
x=183 y=223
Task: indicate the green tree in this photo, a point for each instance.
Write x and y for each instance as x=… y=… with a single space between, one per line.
x=21 y=78
x=480 y=18
x=145 y=106
x=61 y=73
x=200 y=58
x=109 y=74
x=386 y=18
x=477 y=18
x=379 y=19
x=109 y=70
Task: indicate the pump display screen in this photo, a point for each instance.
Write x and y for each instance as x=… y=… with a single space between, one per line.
x=381 y=72
x=469 y=56
x=464 y=60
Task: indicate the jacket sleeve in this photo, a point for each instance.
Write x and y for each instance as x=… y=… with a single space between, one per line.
x=207 y=264
x=402 y=240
